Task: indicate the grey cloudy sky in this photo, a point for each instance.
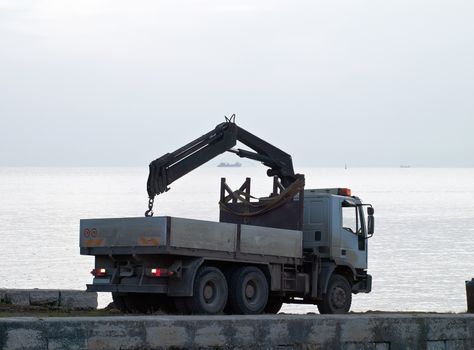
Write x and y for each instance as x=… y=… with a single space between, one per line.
x=102 y=82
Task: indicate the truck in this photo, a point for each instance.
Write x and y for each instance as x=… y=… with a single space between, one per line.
x=297 y=245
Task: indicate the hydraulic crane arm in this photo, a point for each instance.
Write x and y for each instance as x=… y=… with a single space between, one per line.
x=171 y=166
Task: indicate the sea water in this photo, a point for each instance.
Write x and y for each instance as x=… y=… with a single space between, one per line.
x=420 y=255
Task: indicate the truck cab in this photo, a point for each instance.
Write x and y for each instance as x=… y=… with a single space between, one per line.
x=336 y=229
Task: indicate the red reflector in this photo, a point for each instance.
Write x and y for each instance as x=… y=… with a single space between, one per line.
x=99 y=272
x=156 y=272
x=160 y=272
x=345 y=192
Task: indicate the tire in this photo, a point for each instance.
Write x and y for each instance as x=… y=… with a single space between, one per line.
x=135 y=303
x=210 y=292
x=228 y=309
x=119 y=303
x=248 y=291
x=181 y=306
x=167 y=305
x=338 y=297
x=273 y=305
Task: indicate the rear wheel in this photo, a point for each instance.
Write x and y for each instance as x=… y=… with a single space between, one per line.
x=181 y=306
x=210 y=292
x=135 y=303
x=119 y=303
x=248 y=291
x=167 y=305
x=228 y=309
x=338 y=297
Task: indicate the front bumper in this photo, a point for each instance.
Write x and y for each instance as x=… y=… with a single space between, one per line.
x=363 y=286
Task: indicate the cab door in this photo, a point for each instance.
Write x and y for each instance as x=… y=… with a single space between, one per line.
x=315 y=225
x=353 y=242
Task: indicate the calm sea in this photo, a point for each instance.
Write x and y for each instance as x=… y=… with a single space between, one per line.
x=420 y=256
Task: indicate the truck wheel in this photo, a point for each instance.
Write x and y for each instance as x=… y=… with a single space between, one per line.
x=273 y=305
x=181 y=306
x=228 y=309
x=167 y=305
x=338 y=297
x=248 y=291
x=119 y=303
x=210 y=292
x=139 y=303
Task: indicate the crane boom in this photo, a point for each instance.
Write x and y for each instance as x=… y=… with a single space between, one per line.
x=171 y=166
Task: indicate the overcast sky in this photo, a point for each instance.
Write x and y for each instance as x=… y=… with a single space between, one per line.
x=367 y=83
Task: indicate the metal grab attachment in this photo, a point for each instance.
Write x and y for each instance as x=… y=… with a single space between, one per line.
x=149 y=212
x=263 y=205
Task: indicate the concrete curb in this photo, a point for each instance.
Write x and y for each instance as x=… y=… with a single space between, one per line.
x=57 y=298
x=358 y=331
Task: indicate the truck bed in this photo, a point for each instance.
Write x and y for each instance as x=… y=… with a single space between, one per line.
x=165 y=234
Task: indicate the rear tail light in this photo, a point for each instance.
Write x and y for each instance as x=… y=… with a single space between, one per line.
x=160 y=272
x=99 y=272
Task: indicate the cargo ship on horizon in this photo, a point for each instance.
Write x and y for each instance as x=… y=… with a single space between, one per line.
x=229 y=165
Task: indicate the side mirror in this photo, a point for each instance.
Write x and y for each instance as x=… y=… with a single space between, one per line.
x=370 y=225
x=370 y=211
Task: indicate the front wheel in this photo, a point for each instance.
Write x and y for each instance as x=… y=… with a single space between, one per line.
x=338 y=297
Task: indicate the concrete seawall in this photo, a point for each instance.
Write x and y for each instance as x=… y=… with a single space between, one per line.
x=356 y=331
x=65 y=299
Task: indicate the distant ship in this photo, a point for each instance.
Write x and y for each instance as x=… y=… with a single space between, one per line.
x=229 y=165
x=405 y=166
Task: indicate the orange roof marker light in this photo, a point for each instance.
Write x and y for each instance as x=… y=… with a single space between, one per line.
x=345 y=192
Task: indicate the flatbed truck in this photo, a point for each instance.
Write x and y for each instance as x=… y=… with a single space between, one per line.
x=305 y=246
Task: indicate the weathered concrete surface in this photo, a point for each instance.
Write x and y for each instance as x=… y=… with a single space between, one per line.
x=42 y=297
x=63 y=299
x=77 y=300
x=357 y=331
x=17 y=297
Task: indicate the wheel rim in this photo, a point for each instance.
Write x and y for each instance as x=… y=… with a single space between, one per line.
x=209 y=292
x=250 y=291
x=338 y=297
